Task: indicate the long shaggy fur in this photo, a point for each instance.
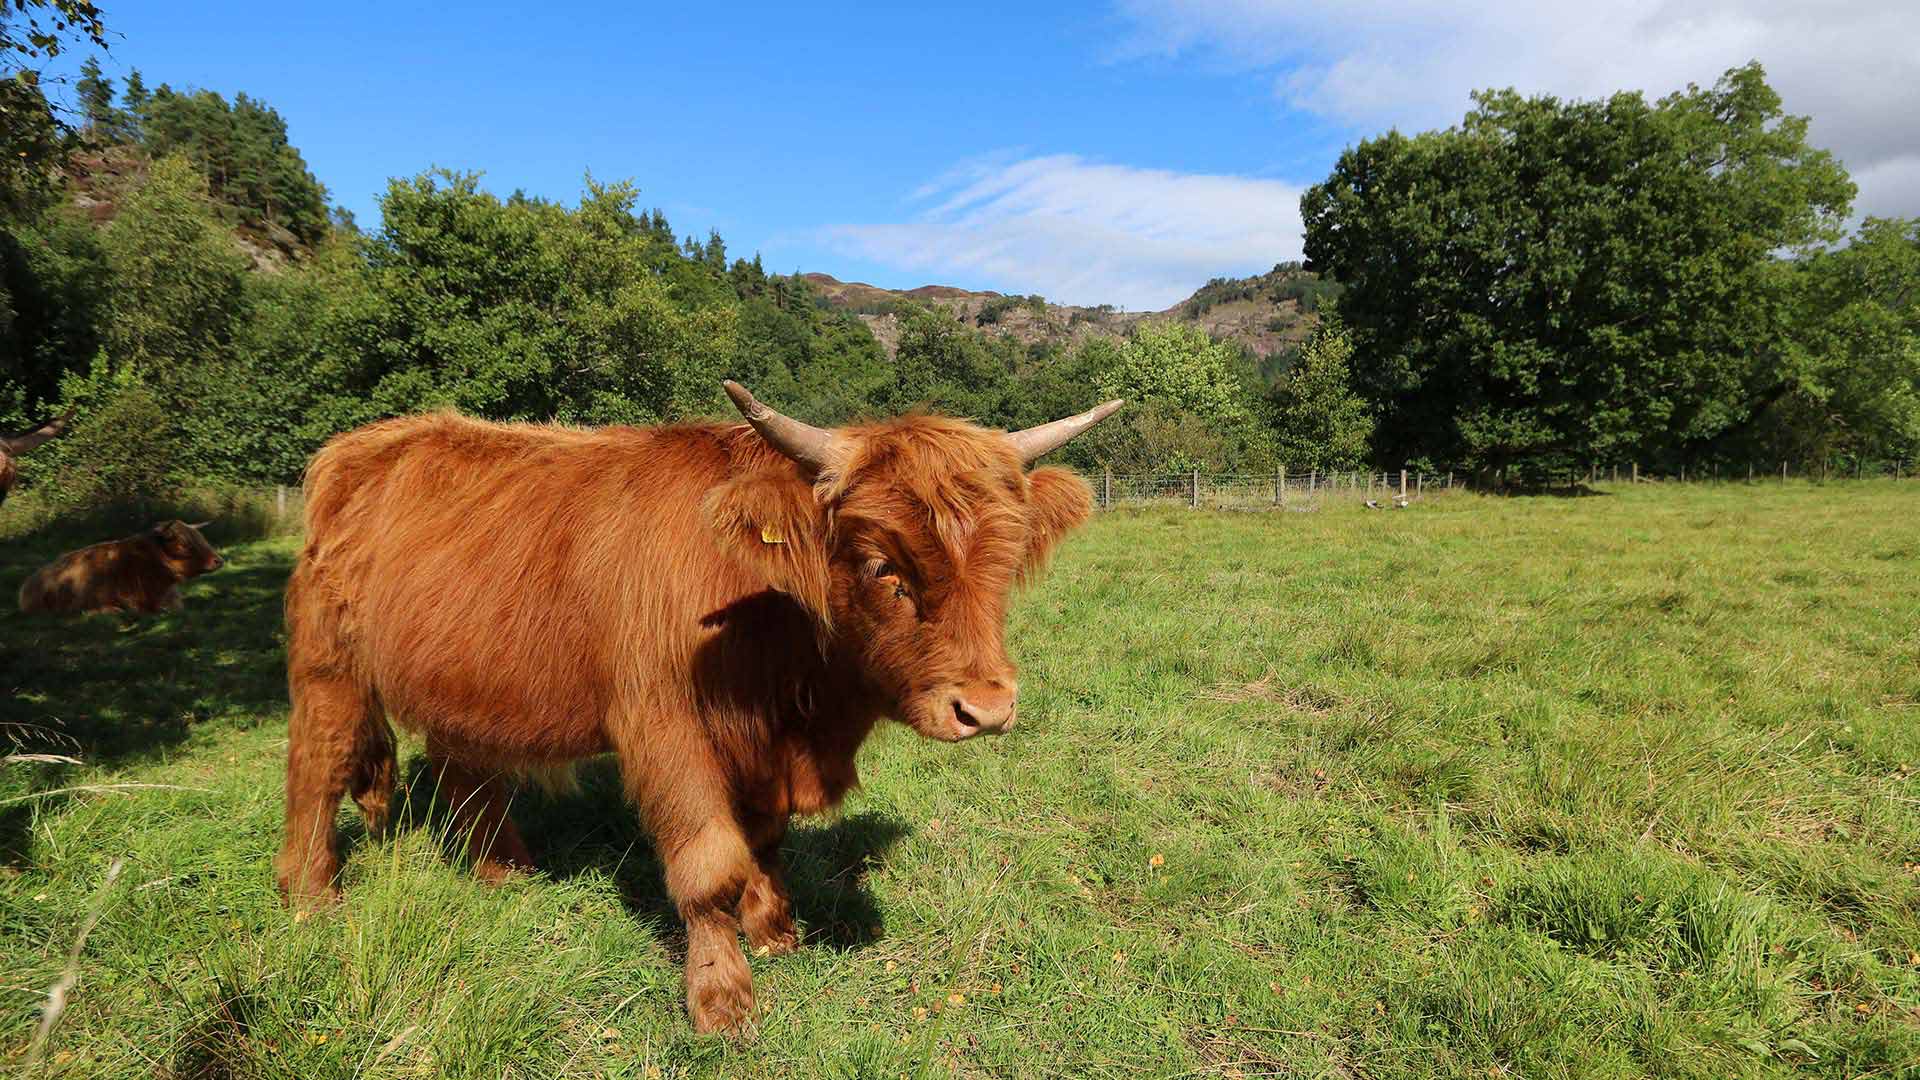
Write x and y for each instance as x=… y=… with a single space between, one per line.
x=683 y=597
x=140 y=573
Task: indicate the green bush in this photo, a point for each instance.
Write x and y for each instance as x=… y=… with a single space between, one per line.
x=124 y=450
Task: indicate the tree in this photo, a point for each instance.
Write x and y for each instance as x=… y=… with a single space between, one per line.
x=943 y=365
x=1850 y=359
x=1187 y=405
x=54 y=285
x=95 y=92
x=33 y=135
x=1320 y=422
x=1555 y=282
x=527 y=310
x=243 y=151
x=24 y=34
x=135 y=97
x=176 y=276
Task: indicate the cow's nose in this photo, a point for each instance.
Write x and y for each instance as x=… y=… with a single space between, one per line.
x=984 y=708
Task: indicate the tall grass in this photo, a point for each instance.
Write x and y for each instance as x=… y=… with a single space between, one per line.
x=1615 y=786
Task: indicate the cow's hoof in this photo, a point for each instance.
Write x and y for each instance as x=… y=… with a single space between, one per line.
x=775 y=942
x=720 y=996
x=308 y=888
x=498 y=871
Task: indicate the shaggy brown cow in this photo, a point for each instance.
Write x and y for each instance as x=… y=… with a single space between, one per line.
x=729 y=609
x=141 y=573
x=12 y=446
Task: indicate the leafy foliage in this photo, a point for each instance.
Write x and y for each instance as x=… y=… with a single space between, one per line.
x=177 y=279
x=1556 y=281
x=1849 y=379
x=1189 y=407
x=1319 y=421
x=241 y=148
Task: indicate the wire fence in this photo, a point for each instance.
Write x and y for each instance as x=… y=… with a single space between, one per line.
x=1281 y=489
x=1310 y=489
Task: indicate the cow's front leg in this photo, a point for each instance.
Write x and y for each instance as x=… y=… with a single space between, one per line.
x=683 y=793
x=707 y=872
x=766 y=908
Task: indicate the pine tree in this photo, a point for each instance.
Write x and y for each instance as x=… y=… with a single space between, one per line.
x=135 y=95
x=96 y=98
x=134 y=98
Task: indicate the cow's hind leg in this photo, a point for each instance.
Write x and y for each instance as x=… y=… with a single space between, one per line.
x=478 y=799
x=331 y=738
x=766 y=909
x=372 y=784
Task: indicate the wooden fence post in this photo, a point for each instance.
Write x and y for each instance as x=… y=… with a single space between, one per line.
x=1281 y=496
x=279 y=501
x=1195 y=501
x=1106 y=491
x=1403 y=481
x=1313 y=481
x=1419 y=481
x=1449 y=479
x=1783 y=472
x=1636 y=472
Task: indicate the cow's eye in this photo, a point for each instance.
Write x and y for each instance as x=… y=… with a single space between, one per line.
x=885 y=569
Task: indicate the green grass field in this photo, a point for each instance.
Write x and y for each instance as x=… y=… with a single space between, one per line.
x=1617 y=786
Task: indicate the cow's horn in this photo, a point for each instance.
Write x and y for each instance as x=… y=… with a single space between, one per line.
x=200 y=524
x=1035 y=442
x=800 y=441
x=32 y=437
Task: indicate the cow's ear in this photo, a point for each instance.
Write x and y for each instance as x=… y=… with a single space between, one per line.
x=1059 y=502
x=770 y=521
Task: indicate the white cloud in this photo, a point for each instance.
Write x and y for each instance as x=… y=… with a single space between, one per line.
x=1082 y=232
x=1851 y=65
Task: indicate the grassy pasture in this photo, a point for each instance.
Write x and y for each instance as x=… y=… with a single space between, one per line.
x=1612 y=786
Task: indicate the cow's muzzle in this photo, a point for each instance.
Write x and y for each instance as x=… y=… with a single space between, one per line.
x=981 y=708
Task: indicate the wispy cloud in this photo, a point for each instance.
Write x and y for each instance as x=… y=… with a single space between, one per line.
x=1849 y=64
x=1085 y=232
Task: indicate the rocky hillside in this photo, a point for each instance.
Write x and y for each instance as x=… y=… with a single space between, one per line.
x=98 y=178
x=1268 y=313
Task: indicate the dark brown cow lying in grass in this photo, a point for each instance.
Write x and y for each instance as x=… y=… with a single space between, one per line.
x=12 y=446
x=141 y=573
x=729 y=609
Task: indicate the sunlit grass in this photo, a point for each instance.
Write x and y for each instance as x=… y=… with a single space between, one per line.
x=1610 y=786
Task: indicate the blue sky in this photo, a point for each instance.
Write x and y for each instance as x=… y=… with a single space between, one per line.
x=1100 y=152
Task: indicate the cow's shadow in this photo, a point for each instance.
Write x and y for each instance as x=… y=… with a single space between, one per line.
x=596 y=831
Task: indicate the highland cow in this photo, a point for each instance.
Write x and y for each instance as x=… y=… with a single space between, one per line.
x=141 y=573
x=728 y=609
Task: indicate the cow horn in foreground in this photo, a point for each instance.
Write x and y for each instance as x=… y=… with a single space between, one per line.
x=1036 y=442
x=199 y=524
x=797 y=439
x=33 y=437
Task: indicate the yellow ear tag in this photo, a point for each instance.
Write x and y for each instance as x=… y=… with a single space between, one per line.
x=770 y=534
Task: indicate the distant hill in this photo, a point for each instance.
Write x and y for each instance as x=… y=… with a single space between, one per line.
x=1268 y=313
x=99 y=178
